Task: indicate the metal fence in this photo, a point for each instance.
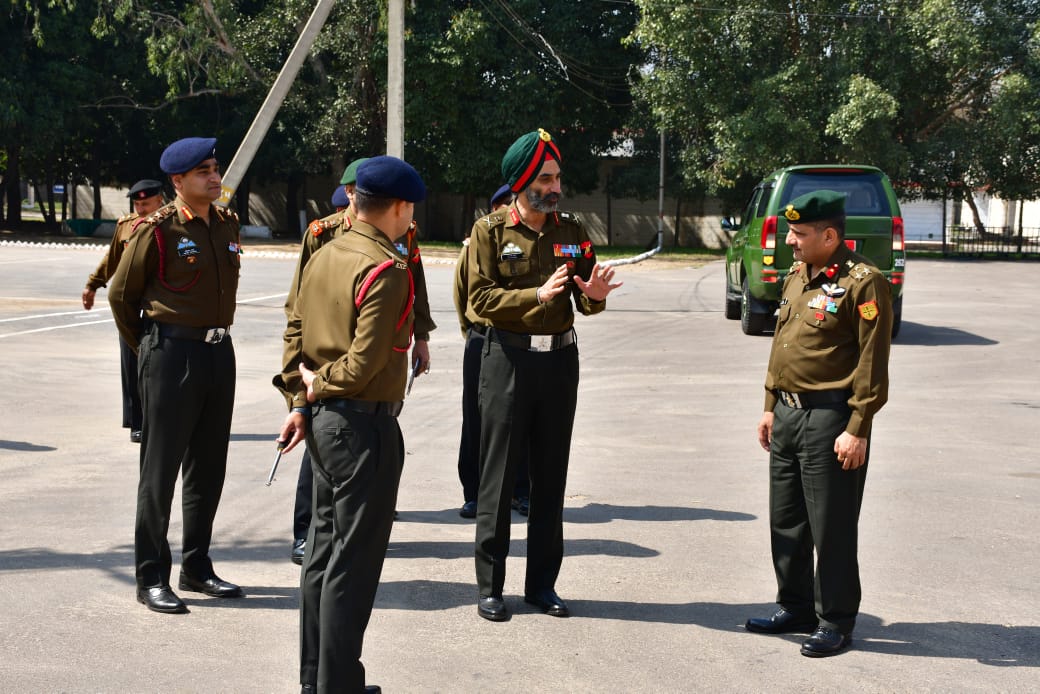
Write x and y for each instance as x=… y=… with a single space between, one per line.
x=992 y=241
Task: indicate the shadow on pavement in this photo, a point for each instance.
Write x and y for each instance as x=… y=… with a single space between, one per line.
x=594 y=513
x=517 y=548
x=24 y=446
x=936 y=335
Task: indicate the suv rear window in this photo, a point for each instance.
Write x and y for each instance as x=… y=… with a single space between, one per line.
x=865 y=192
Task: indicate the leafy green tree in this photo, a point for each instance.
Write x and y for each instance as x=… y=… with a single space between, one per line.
x=922 y=88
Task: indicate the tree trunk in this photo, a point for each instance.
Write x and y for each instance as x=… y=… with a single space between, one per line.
x=96 y=183
x=13 y=184
x=292 y=215
x=242 y=201
x=969 y=198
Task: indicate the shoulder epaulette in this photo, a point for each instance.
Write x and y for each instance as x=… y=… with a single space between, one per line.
x=494 y=218
x=569 y=217
x=859 y=270
x=226 y=213
x=126 y=218
x=158 y=217
x=796 y=267
x=320 y=226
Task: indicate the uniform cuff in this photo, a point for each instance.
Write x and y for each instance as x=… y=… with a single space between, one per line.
x=858 y=425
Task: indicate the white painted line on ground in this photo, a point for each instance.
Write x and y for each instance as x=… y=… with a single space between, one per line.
x=56 y=327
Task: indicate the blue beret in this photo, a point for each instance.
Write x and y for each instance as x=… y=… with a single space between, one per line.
x=145 y=188
x=184 y=155
x=339 y=197
x=504 y=194
x=390 y=177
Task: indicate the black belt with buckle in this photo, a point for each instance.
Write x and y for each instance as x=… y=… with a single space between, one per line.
x=814 y=398
x=532 y=343
x=184 y=332
x=478 y=328
x=375 y=407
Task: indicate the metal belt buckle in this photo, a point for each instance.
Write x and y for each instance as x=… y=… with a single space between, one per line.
x=215 y=335
x=541 y=343
x=791 y=400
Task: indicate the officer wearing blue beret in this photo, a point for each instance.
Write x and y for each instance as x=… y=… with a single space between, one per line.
x=319 y=232
x=181 y=267
x=346 y=363
x=340 y=199
x=147 y=197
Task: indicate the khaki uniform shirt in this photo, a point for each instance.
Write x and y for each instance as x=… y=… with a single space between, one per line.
x=467 y=316
x=124 y=229
x=323 y=230
x=508 y=262
x=178 y=270
x=834 y=331
x=358 y=351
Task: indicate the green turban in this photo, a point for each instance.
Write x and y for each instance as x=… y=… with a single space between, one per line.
x=524 y=158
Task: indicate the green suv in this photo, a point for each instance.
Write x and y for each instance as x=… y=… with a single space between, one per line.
x=758 y=258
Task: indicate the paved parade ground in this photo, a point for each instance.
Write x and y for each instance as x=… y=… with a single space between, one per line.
x=666 y=527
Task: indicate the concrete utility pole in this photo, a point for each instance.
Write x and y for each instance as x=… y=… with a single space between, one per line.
x=395 y=80
x=236 y=170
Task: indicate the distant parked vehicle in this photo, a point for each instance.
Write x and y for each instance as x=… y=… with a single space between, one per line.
x=758 y=259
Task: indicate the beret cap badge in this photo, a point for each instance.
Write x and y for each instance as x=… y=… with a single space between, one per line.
x=791 y=214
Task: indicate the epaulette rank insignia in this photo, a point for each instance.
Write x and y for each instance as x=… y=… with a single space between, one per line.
x=859 y=271
x=400 y=264
x=125 y=218
x=318 y=226
x=159 y=216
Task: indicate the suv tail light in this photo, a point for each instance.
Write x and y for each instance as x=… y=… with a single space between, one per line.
x=897 y=234
x=769 y=232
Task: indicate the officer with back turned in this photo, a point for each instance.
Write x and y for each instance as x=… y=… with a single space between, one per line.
x=347 y=340
x=181 y=268
x=320 y=232
x=530 y=267
x=147 y=197
x=827 y=378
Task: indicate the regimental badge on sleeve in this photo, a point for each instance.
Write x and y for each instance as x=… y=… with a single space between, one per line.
x=869 y=310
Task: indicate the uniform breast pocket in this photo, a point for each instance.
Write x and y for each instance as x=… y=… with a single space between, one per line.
x=514 y=268
x=818 y=332
x=782 y=315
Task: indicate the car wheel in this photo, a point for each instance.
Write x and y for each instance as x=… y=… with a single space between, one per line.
x=751 y=323
x=732 y=305
x=897 y=316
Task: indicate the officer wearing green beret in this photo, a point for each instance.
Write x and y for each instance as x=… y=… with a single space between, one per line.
x=347 y=339
x=181 y=267
x=319 y=233
x=147 y=197
x=530 y=267
x=827 y=378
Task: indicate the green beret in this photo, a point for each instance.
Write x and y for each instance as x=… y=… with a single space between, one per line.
x=524 y=158
x=350 y=173
x=814 y=206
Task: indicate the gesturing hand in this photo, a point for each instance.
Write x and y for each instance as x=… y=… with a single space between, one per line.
x=599 y=284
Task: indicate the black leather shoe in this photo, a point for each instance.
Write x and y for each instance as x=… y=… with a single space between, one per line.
x=492 y=609
x=313 y=689
x=548 y=602
x=825 y=642
x=468 y=510
x=161 y=599
x=783 y=622
x=299 y=548
x=212 y=586
x=522 y=505
x=135 y=436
